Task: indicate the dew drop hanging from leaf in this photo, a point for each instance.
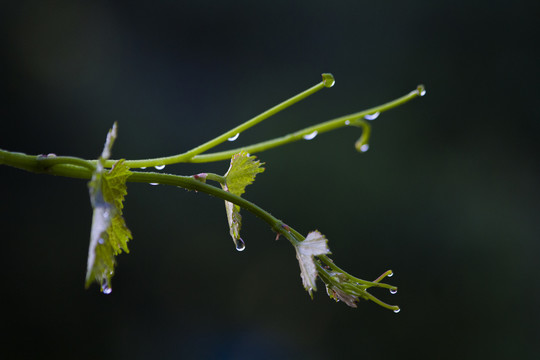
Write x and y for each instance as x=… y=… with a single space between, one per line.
x=240 y=245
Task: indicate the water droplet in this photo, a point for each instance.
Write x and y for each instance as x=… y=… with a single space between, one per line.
x=51 y=155
x=390 y=275
x=397 y=310
x=159 y=167
x=311 y=136
x=421 y=90
x=393 y=291
x=240 y=245
x=154 y=184
x=105 y=288
x=372 y=116
x=328 y=80
x=101 y=241
x=234 y=137
x=348 y=122
x=144 y=167
x=364 y=148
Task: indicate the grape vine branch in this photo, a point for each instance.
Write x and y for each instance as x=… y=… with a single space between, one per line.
x=110 y=235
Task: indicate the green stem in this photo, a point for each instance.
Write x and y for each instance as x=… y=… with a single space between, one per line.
x=355 y=119
x=217 y=178
x=328 y=262
x=328 y=81
x=65 y=160
x=189 y=183
x=32 y=163
x=79 y=168
x=55 y=165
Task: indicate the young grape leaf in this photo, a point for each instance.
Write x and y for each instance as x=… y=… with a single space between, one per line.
x=314 y=244
x=109 y=234
x=115 y=189
x=241 y=173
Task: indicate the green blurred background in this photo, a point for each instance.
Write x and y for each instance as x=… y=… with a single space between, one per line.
x=447 y=196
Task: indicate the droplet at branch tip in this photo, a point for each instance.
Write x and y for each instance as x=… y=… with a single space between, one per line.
x=360 y=145
x=387 y=273
x=421 y=90
x=328 y=80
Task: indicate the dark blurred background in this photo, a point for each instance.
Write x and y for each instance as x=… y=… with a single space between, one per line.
x=447 y=196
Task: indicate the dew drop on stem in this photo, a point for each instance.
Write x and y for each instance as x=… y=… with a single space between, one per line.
x=364 y=148
x=393 y=291
x=159 y=167
x=372 y=116
x=240 y=245
x=234 y=137
x=397 y=310
x=311 y=136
